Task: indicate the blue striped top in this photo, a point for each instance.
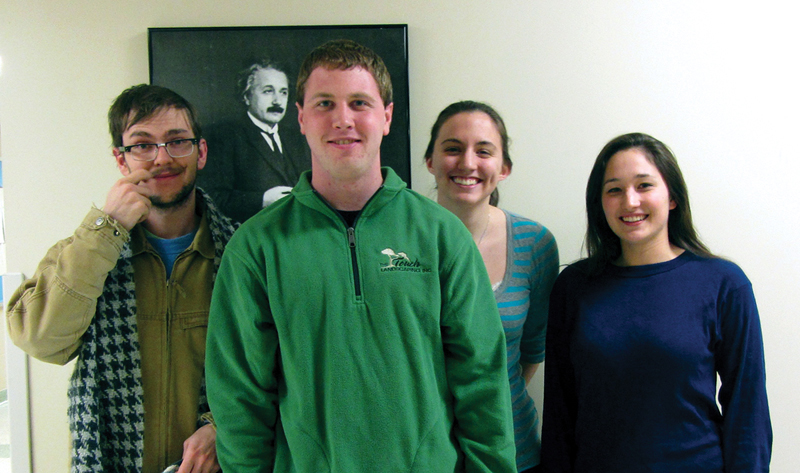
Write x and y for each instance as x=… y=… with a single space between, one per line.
x=522 y=299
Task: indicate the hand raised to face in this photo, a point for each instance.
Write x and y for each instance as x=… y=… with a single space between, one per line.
x=129 y=202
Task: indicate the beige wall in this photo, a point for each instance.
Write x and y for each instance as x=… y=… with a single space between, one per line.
x=716 y=82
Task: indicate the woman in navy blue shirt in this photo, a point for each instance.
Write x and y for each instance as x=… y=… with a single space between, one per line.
x=639 y=331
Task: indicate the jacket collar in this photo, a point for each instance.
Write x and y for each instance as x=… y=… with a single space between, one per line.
x=392 y=185
x=202 y=242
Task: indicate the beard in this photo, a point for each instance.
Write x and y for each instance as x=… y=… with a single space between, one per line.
x=180 y=198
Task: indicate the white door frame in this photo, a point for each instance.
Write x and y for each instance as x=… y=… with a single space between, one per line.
x=19 y=417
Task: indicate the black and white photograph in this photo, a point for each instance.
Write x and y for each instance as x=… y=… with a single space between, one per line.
x=242 y=81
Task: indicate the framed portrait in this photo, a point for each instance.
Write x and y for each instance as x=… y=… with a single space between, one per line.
x=234 y=76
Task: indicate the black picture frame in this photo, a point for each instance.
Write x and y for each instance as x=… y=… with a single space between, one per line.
x=202 y=64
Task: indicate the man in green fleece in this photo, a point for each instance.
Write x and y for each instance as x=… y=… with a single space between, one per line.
x=353 y=326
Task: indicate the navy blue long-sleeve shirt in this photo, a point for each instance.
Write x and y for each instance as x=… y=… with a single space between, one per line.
x=632 y=362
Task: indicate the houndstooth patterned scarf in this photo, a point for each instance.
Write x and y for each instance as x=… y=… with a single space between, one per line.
x=106 y=414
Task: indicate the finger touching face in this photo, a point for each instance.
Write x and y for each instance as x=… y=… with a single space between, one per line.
x=139 y=176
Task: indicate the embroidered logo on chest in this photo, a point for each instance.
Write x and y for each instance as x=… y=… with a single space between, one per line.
x=399 y=261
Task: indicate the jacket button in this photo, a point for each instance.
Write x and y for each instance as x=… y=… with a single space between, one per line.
x=100 y=221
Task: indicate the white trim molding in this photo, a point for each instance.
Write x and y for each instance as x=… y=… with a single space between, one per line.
x=19 y=416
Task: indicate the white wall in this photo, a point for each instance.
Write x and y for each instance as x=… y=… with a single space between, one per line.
x=715 y=80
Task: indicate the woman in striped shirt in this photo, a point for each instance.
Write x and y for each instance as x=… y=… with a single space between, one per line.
x=468 y=155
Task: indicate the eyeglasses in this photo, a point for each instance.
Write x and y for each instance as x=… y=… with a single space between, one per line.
x=148 y=151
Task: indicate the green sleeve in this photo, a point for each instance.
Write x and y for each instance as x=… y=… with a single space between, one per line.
x=241 y=364
x=475 y=351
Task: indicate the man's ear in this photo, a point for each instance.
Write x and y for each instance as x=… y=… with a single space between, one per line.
x=122 y=165
x=202 y=153
x=388 y=116
x=300 y=116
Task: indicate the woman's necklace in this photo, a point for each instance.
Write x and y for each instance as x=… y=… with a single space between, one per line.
x=488 y=218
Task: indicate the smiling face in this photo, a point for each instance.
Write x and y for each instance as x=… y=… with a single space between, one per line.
x=636 y=203
x=344 y=121
x=467 y=159
x=173 y=181
x=268 y=95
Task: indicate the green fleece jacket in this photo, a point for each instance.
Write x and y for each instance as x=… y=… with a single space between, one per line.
x=372 y=348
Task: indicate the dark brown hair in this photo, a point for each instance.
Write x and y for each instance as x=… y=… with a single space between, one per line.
x=141 y=102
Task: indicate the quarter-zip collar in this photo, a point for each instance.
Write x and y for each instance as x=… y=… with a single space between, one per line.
x=305 y=194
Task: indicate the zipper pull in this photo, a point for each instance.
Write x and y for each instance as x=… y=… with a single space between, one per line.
x=351 y=236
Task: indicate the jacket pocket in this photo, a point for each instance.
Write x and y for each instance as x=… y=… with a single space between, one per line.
x=193 y=321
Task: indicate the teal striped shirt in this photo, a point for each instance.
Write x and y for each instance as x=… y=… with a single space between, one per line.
x=522 y=299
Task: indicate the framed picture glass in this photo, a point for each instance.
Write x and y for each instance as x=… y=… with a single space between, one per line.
x=235 y=76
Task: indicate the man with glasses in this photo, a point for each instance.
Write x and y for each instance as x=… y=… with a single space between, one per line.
x=128 y=295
